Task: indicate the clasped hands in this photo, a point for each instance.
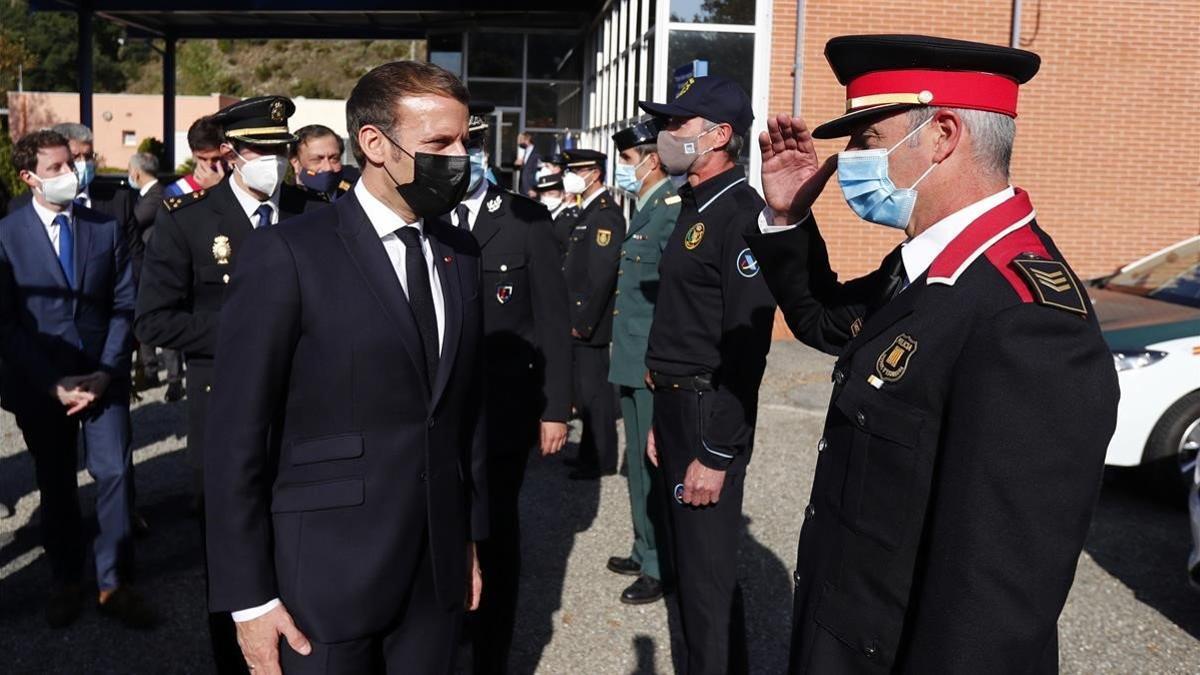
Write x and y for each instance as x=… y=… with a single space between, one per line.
x=77 y=392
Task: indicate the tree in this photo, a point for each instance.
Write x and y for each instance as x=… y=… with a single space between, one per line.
x=50 y=39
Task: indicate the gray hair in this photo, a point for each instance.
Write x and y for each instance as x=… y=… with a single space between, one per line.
x=991 y=135
x=145 y=162
x=736 y=141
x=74 y=132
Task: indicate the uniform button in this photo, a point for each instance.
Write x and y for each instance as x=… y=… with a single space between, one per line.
x=871 y=650
x=432 y=421
x=810 y=511
x=424 y=476
x=622 y=251
x=504 y=268
x=616 y=312
x=617 y=292
x=839 y=377
x=620 y=272
x=822 y=444
x=861 y=418
x=796 y=577
x=578 y=302
x=637 y=258
x=207 y=388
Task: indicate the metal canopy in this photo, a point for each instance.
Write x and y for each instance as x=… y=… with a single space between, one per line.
x=313 y=19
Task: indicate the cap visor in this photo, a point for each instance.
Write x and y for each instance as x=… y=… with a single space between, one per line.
x=846 y=124
x=665 y=109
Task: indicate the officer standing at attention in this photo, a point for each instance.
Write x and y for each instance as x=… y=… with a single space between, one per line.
x=707 y=352
x=641 y=174
x=973 y=394
x=527 y=352
x=191 y=255
x=563 y=211
x=591 y=269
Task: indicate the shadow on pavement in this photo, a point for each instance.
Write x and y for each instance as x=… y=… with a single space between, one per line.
x=1144 y=543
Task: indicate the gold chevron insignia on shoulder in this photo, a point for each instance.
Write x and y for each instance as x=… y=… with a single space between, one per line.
x=1052 y=284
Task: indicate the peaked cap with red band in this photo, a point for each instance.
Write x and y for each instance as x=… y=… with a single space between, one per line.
x=884 y=74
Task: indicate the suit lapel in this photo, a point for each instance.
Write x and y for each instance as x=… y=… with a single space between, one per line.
x=366 y=250
x=447 y=267
x=38 y=243
x=83 y=245
x=487 y=221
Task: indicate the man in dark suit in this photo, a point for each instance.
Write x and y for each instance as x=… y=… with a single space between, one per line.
x=527 y=161
x=347 y=482
x=196 y=242
x=66 y=304
x=973 y=397
x=527 y=352
x=593 y=256
x=107 y=197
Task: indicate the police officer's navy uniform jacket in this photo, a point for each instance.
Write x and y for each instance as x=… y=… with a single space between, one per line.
x=591 y=262
x=962 y=453
x=187 y=266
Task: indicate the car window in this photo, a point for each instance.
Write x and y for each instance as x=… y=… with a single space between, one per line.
x=1172 y=275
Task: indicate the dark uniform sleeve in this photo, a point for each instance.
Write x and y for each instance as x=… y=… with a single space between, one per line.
x=818 y=308
x=254 y=354
x=551 y=314
x=747 y=319
x=164 y=305
x=603 y=263
x=1033 y=458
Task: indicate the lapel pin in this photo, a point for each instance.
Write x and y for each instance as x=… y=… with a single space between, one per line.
x=448 y=259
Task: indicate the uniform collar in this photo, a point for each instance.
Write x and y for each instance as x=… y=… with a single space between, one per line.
x=920 y=251
x=981 y=234
x=475 y=201
x=382 y=217
x=642 y=201
x=249 y=202
x=707 y=192
x=588 y=201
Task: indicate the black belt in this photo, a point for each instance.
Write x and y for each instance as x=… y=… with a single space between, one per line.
x=701 y=382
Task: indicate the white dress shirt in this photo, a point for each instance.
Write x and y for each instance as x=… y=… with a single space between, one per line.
x=919 y=252
x=386 y=223
x=47 y=217
x=250 y=203
x=589 y=200
x=473 y=204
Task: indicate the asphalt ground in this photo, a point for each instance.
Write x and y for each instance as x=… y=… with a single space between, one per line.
x=1130 y=611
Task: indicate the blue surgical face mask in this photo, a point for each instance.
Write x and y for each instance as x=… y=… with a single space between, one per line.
x=870 y=192
x=478 y=160
x=627 y=178
x=86 y=169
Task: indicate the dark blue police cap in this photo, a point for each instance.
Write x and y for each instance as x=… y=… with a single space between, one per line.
x=715 y=98
x=641 y=133
x=261 y=120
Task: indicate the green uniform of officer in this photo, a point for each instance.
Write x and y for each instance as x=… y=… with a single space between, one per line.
x=640 y=173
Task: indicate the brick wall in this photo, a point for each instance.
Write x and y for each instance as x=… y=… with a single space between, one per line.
x=1104 y=139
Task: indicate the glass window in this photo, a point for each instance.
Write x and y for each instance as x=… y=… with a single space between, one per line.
x=445 y=50
x=728 y=54
x=497 y=93
x=553 y=106
x=554 y=56
x=495 y=55
x=713 y=11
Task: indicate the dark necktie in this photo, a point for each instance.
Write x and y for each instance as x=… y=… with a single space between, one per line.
x=420 y=297
x=262 y=215
x=896 y=279
x=66 y=247
x=464 y=217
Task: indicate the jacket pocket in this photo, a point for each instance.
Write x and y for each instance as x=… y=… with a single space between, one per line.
x=326 y=448
x=872 y=632
x=214 y=274
x=318 y=496
x=882 y=467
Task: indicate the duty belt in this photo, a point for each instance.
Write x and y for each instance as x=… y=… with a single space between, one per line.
x=701 y=382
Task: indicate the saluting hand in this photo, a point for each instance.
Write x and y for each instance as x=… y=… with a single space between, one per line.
x=702 y=485
x=792 y=176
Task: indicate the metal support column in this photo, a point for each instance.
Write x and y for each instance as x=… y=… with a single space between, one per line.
x=168 y=78
x=84 y=60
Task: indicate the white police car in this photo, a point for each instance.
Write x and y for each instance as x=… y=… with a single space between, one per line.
x=1149 y=311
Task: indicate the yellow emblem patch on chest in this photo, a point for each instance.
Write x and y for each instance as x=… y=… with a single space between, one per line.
x=893 y=362
x=221 y=249
x=603 y=237
x=694 y=236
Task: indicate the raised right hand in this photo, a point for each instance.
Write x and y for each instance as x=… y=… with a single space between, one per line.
x=792 y=176
x=259 y=640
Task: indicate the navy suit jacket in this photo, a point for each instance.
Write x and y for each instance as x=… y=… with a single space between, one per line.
x=330 y=465
x=50 y=329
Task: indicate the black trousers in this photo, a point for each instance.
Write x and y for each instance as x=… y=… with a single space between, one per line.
x=514 y=408
x=595 y=399
x=703 y=543
x=422 y=639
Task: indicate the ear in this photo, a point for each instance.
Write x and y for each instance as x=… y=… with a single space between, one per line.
x=228 y=153
x=948 y=127
x=375 y=147
x=295 y=165
x=722 y=135
x=27 y=178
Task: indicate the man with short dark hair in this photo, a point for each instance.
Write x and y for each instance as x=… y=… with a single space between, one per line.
x=347 y=482
x=527 y=162
x=195 y=248
x=204 y=138
x=66 y=305
x=317 y=162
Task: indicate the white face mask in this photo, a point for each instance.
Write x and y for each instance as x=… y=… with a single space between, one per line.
x=263 y=174
x=133 y=182
x=573 y=183
x=60 y=190
x=551 y=203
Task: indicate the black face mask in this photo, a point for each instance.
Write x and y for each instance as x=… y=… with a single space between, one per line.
x=439 y=182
